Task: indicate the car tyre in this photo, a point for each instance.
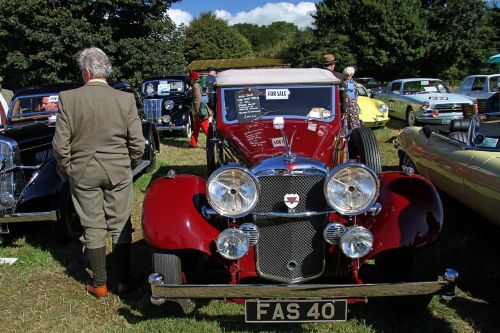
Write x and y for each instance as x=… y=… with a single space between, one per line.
x=420 y=264
x=151 y=154
x=188 y=130
x=405 y=161
x=363 y=147
x=68 y=228
x=169 y=266
x=411 y=118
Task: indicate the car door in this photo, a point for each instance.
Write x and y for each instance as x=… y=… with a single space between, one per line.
x=394 y=102
x=446 y=164
x=483 y=175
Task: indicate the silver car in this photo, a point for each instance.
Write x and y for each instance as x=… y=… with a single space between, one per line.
x=423 y=100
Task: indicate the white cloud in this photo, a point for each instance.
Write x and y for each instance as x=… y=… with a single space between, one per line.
x=299 y=14
x=179 y=16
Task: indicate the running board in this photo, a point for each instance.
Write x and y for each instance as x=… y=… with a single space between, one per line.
x=140 y=168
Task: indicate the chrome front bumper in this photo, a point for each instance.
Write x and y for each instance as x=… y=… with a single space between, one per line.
x=30 y=217
x=163 y=128
x=160 y=291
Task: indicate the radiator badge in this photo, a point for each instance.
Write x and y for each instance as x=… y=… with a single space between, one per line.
x=291 y=200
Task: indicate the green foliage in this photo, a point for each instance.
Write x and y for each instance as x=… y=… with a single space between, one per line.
x=268 y=40
x=395 y=38
x=40 y=40
x=209 y=37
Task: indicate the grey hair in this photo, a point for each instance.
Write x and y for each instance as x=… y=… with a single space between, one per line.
x=349 y=71
x=95 y=60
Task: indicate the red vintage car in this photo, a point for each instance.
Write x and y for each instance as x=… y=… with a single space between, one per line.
x=296 y=219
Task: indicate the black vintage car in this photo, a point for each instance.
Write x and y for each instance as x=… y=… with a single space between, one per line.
x=30 y=188
x=166 y=103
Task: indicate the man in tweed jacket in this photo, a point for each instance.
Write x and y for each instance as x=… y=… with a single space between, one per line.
x=98 y=140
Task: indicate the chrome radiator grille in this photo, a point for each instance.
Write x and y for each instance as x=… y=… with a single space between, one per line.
x=290 y=250
x=12 y=182
x=308 y=187
x=152 y=108
x=444 y=108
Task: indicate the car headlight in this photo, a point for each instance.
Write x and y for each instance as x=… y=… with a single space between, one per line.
x=383 y=108
x=232 y=191
x=233 y=243
x=356 y=242
x=168 y=104
x=351 y=188
x=426 y=105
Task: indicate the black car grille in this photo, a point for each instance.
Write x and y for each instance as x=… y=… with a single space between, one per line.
x=274 y=188
x=444 y=108
x=290 y=249
x=153 y=107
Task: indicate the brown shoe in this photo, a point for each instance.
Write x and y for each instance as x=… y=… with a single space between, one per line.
x=99 y=292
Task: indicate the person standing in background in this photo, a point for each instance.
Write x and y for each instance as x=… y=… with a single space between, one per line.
x=351 y=98
x=97 y=142
x=199 y=108
x=329 y=64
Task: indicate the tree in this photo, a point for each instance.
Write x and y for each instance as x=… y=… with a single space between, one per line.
x=268 y=40
x=209 y=37
x=460 y=38
x=40 y=40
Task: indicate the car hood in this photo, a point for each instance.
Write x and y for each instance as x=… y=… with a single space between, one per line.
x=439 y=98
x=253 y=142
x=29 y=134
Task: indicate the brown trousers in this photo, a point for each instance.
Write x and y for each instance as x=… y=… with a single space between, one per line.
x=102 y=207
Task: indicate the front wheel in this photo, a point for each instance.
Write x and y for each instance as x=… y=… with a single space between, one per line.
x=363 y=148
x=188 y=129
x=411 y=118
x=68 y=228
x=405 y=161
x=151 y=154
x=169 y=266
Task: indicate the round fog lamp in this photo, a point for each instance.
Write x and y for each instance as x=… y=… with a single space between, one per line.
x=356 y=242
x=233 y=243
x=7 y=200
x=166 y=119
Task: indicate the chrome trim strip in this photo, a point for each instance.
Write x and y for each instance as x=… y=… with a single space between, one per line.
x=209 y=212
x=30 y=217
x=301 y=291
x=302 y=214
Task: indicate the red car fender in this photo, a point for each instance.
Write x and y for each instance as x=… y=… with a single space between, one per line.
x=411 y=215
x=171 y=215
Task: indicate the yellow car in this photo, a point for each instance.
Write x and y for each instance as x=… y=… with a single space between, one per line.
x=372 y=112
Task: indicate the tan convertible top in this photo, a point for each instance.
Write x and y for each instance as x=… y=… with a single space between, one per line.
x=242 y=77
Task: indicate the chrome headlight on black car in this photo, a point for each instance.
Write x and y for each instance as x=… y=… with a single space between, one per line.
x=168 y=104
x=351 y=188
x=232 y=191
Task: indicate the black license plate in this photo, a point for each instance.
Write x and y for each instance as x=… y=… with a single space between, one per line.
x=299 y=311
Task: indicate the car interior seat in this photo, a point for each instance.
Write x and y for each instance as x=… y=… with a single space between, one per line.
x=459 y=129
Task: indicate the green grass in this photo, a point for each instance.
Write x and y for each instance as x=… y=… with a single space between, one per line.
x=44 y=292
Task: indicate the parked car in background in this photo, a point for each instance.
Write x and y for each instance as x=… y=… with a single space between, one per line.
x=372 y=112
x=463 y=161
x=480 y=87
x=30 y=188
x=285 y=219
x=166 y=103
x=423 y=100
x=370 y=83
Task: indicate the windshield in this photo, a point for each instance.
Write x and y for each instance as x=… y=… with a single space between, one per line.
x=369 y=82
x=252 y=103
x=486 y=132
x=36 y=106
x=162 y=87
x=425 y=87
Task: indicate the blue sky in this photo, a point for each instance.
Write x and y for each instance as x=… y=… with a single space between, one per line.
x=246 y=11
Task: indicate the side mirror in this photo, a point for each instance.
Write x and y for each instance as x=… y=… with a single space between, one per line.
x=478 y=140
